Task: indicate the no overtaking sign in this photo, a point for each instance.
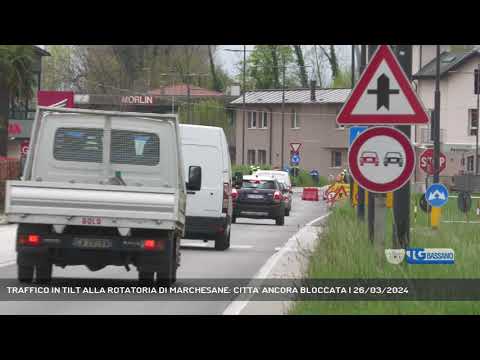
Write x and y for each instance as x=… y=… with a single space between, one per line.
x=381 y=159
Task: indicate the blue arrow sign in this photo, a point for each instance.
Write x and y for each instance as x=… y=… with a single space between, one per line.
x=436 y=195
x=354 y=131
x=295 y=159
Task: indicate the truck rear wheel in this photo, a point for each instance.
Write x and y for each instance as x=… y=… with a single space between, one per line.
x=222 y=242
x=25 y=273
x=169 y=277
x=146 y=277
x=44 y=273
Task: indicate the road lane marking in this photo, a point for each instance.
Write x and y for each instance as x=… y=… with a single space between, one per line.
x=8 y=263
x=237 y=306
x=210 y=246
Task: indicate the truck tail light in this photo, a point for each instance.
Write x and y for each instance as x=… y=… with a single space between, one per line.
x=151 y=244
x=30 y=239
x=226 y=197
x=277 y=196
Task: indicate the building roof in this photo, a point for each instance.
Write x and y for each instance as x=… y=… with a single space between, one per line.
x=295 y=96
x=182 y=90
x=449 y=60
x=41 y=50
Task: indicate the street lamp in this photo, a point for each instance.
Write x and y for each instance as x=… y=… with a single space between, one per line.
x=244 y=90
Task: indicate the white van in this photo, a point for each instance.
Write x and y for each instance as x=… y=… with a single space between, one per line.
x=209 y=209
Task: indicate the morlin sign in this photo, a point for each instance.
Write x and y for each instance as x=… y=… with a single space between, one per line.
x=137 y=100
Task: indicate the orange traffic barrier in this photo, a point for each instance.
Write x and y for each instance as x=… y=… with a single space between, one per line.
x=310 y=194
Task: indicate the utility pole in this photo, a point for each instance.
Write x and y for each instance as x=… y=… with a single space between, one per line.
x=371 y=196
x=283 y=112
x=353 y=66
x=350 y=180
x=436 y=150
x=361 y=191
x=189 y=117
x=436 y=212
x=243 y=106
x=477 y=90
x=401 y=197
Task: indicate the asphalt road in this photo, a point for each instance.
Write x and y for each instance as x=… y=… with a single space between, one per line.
x=253 y=242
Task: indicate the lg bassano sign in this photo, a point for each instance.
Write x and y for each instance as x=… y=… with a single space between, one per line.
x=383 y=95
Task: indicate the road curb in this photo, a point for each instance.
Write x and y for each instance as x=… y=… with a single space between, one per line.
x=288 y=263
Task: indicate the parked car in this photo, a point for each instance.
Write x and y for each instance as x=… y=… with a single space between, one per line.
x=393 y=158
x=369 y=157
x=209 y=207
x=259 y=197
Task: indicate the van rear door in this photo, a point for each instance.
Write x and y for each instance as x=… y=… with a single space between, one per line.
x=208 y=200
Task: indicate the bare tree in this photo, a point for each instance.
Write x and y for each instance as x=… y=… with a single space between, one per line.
x=301 y=65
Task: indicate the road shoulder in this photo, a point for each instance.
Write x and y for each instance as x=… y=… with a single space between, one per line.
x=290 y=262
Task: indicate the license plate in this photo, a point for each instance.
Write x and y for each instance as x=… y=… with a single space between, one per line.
x=91 y=220
x=255 y=196
x=92 y=243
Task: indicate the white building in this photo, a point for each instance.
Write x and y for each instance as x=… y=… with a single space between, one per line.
x=458 y=104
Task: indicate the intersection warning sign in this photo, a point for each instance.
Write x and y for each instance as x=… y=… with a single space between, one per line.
x=383 y=95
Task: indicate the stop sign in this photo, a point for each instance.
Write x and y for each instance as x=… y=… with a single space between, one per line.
x=426 y=161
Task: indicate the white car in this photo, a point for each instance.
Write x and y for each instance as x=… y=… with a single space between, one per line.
x=209 y=208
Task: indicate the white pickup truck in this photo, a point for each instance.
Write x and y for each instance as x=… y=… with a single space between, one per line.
x=100 y=188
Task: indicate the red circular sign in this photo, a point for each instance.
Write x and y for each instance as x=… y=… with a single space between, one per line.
x=386 y=161
x=426 y=161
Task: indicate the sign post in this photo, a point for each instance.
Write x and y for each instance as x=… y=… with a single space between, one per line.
x=384 y=96
x=381 y=160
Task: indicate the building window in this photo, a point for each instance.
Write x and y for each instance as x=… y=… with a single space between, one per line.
x=263 y=119
x=252 y=119
x=251 y=157
x=262 y=157
x=295 y=120
x=336 y=160
x=472 y=121
x=470 y=161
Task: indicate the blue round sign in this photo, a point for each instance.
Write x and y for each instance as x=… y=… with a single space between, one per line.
x=437 y=195
x=295 y=159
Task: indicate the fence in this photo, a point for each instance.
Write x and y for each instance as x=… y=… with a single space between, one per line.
x=9 y=170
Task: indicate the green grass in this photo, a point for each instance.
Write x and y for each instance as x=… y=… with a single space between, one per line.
x=344 y=251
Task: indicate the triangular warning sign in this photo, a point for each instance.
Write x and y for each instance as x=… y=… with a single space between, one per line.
x=383 y=95
x=295 y=147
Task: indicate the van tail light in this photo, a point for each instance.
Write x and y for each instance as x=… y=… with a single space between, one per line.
x=277 y=196
x=234 y=194
x=30 y=239
x=226 y=196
